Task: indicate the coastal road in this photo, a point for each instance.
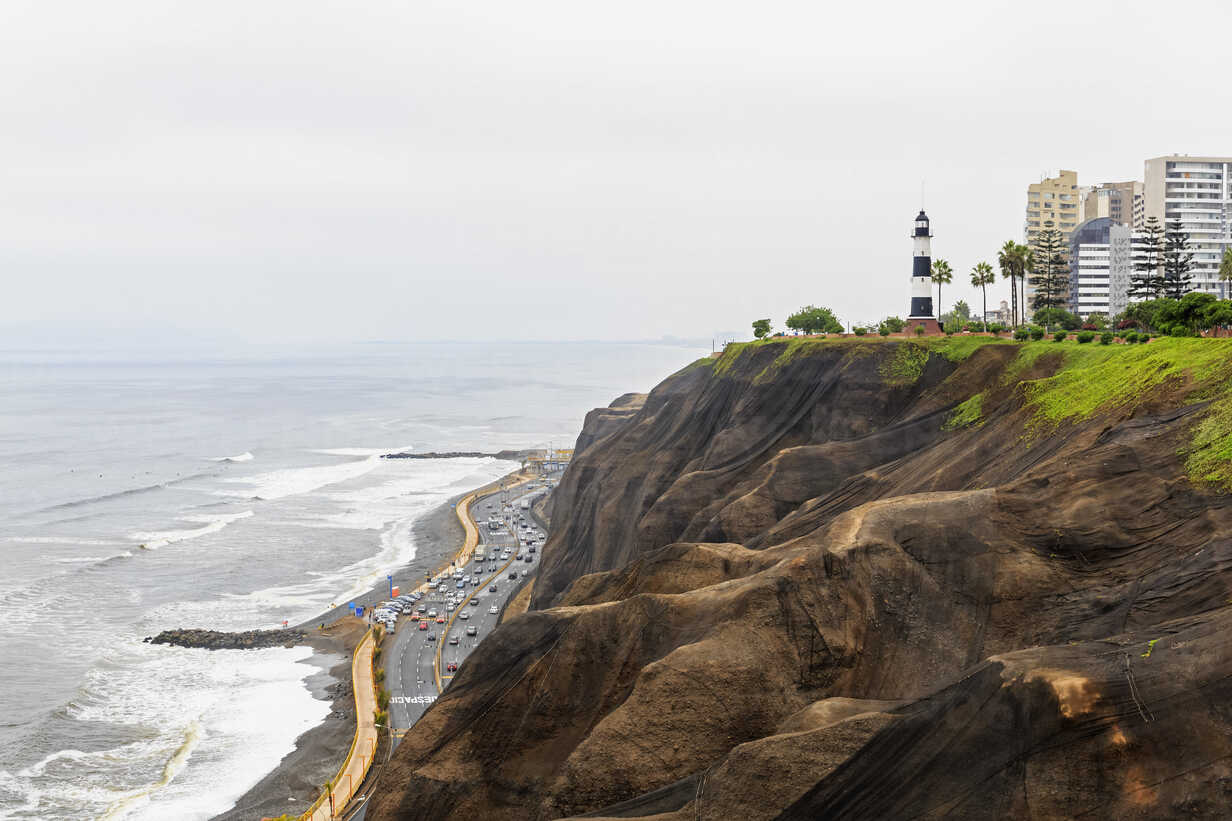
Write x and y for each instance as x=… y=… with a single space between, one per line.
x=411 y=673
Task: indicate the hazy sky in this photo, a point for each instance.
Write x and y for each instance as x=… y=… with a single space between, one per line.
x=325 y=171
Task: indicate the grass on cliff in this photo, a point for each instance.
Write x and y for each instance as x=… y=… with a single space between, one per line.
x=1096 y=378
x=904 y=367
x=1089 y=379
x=967 y=414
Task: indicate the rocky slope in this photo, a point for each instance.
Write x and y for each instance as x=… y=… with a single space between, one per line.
x=868 y=579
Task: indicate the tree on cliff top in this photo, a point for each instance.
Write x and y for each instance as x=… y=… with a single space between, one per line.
x=982 y=276
x=1051 y=271
x=811 y=320
x=1178 y=261
x=1146 y=282
x=761 y=328
x=942 y=274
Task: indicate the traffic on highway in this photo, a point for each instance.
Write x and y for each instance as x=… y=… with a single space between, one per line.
x=434 y=632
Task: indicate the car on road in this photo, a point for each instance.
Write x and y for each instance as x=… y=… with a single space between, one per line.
x=461 y=584
x=432 y=585
x=449 y=607
x=440 y=619
x=472 y=630
x=451 y=667
x=529 y=559
x=464 y=615
x=430 y=637
x=493 y=610
x=474 y=602
x=423 y=608
x=432 y=613
x=423 y=625
x=453 y=639
x=391 y=626
x=513 y=574
x=492 y=589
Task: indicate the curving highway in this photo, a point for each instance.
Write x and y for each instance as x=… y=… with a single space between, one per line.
x=418 y=668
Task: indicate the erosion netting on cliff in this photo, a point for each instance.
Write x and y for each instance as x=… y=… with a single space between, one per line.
x=868 y=579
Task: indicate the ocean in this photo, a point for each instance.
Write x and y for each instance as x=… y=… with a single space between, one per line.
x=143 y=491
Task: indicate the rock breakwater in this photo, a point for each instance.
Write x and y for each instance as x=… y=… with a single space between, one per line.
x=218 y=640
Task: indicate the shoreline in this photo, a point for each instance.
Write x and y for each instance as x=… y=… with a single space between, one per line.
x=295 y=782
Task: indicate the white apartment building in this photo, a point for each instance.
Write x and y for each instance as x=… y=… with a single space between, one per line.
x=1101 y=260
x=1198 y=191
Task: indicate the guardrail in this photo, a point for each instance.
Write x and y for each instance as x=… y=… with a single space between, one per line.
x=349 y=778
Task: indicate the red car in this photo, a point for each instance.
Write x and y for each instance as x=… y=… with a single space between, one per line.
x=440 y=619
x=451 y=667
x=423 y=625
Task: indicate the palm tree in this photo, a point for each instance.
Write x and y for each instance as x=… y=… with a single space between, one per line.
x=1026 y=267
x=1007 y=260
x=1225 y=270
x=982 y=275
x=942 y=275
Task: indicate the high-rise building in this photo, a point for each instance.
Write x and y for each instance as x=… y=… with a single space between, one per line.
x=1119 y=201
x=1100 y=265
x=1198 y=192
x=1053 y=198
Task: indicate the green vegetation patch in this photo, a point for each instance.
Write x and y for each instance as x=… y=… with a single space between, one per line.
x=1092 y=379
x=1209 y=456
x=730 y=354
x=905 y=364
x=966 y=414
x=958 y=348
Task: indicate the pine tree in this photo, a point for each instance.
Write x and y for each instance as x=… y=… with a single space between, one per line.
x=1146 y=281
x=1178 y=261
x=1050 y=274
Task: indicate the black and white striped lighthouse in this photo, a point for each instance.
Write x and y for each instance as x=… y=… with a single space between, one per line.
x=921 y=271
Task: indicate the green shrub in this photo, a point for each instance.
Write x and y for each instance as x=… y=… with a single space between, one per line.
x=1144 y=338
x=1037 y=333
x=919 y=330
x=382 y=698
x=379 y=676
x=1084 y=337
x=1059 y=336
x=1022 y=334
x=1105 y=338
x=1131 y=337
x=883 y=330
x=381 y=717
x=860 y=331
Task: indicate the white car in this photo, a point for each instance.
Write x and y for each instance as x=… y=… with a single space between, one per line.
x=493 y=610
x=464 y=615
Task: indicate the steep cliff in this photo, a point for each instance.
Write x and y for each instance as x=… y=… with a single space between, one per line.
x=868 y=579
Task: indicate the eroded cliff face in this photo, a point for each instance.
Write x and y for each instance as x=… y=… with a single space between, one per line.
x=849 y=579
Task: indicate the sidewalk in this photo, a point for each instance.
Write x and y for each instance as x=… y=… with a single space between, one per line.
x=363 y=749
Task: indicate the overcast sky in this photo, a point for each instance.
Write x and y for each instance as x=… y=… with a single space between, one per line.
x=329 y=171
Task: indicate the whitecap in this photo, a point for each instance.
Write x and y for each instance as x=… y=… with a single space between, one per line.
x=279 y=484
x=246 y=456
x=214 y=523
x=126 y=554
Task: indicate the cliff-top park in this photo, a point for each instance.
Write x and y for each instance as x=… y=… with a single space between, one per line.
x=551 y=411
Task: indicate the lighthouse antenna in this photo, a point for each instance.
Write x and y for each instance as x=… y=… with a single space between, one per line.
x=921 y=195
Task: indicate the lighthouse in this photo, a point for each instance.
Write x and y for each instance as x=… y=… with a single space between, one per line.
x=921 y=271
